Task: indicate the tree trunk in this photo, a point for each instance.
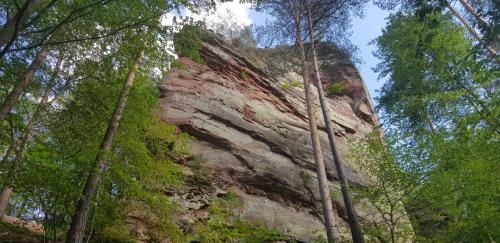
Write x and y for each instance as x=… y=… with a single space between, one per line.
x=393 y=235
x=16 y=164
x=21 y=84
x=471 y=10
x=326 y=201
x=7 y=152
x=25 y=140
x=4 y=198
x=471 y=30
x=11 y=29
x=357 y=235
x=482 y=21
x=78 y=224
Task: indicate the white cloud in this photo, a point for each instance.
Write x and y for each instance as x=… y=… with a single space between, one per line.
x=167 y=19
x=240 y=11
x=234 y=13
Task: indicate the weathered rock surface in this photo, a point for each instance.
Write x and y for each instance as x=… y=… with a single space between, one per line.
x=17 y=230
x=250 y=127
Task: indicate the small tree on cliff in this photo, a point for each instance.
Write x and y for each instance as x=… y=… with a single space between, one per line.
x=389 y=189
x=237 y=34
x=188 y=42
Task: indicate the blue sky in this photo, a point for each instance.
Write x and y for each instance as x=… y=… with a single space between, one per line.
x=364 y=30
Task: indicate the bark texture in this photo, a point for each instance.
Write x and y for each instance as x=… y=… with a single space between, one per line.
x=352 y=216
x=7 y=152
x=326 y=202
x=482 y=21
x=21 y=84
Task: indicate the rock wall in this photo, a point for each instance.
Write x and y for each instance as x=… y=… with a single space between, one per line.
x=248 y=116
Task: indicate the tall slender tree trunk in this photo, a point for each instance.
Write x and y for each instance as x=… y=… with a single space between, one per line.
x=324 y=191
x=78 y=224
x=22 y=83
x=7 y=152
x=471 y=30
x=14 y=171
x=25 y=140
x=482 y=21
x=352 y=217
x=16 y=24
x=471 y=10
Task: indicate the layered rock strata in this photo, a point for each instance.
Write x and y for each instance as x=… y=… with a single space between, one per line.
x=246 y=111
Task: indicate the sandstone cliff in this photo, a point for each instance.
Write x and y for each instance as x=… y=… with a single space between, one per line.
x=246 y=110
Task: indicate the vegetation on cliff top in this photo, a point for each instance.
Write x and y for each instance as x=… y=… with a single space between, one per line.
x=188 y=42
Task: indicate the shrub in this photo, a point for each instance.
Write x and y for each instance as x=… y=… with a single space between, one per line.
x=243 y=75
x=296 y=83
x=306 y=177
x=254 y=65
x=178 y=65
x=202 y=174
x=115 y=233
x=285 y=85
x=335 y=89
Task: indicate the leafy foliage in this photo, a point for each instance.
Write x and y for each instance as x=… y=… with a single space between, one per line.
x=335 y=89
x=141 y=160
x=459 y=189
x=439 y=106
x=389 y=188
x=227 y=25
x=188 y=42
x=243 y=75
x=286 y=85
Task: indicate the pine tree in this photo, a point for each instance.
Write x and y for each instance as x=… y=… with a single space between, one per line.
x=292 y=11
x=357 y=235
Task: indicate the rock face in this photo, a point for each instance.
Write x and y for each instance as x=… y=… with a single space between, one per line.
x=247 y=113
x=14 y=229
